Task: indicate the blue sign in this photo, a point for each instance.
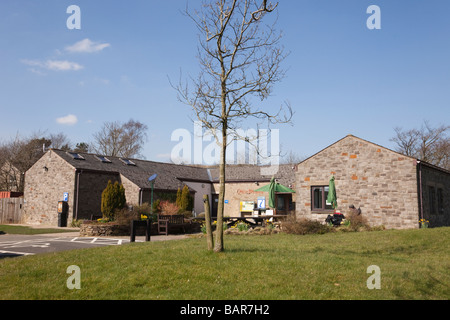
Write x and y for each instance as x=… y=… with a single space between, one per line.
x=66 y=196
x=226 y=201
x=261 y=202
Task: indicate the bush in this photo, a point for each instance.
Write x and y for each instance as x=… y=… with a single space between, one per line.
x=169 y=208
x=113 y=198
x=186 y=202
x=156 y=206
x=304 y=226
x=356 y=222
x=125 y=216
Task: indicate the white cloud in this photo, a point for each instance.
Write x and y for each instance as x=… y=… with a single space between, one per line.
x=87 y=46
x=70 y=119
x=55 y=65
x=60 y=65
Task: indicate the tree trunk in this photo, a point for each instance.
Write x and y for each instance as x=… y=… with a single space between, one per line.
x=219 y=228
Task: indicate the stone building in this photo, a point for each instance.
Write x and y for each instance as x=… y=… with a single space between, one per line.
x=82 y=177
x=390 y=189
x=242 y=181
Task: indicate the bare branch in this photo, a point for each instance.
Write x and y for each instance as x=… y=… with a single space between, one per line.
x=258 y=13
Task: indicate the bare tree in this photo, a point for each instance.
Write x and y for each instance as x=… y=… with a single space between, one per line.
x=120 y=139
x=240 y=59
x=60 y=141
x=292 y=157
x=17 y=156
x=427 y=143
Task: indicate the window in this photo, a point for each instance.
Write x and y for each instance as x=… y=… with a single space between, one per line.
x=75 y=155
x=128 y=162
x=280 y=203
x=440 y=200
x=431 y=199
x=319 y=196
x=103 y=159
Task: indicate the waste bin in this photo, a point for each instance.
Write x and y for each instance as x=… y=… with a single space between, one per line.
x=62 y=213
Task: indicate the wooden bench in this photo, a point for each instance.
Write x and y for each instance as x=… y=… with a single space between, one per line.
x=171 y=221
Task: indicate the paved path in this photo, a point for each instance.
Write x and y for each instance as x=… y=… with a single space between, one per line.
x=13 y=245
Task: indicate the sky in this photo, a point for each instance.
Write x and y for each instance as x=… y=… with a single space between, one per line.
x=342 y=77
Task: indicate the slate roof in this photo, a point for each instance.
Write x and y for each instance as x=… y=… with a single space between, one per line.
x=171 y=176
x=252 y=173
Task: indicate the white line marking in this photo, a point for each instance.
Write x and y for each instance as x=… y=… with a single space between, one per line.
x=15 y=252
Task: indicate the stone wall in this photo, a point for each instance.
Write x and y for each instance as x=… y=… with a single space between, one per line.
x=240 y=191
x=103 y=230
x=90 y=188
x=132 y=191
x=381 y=182
x=45 y=184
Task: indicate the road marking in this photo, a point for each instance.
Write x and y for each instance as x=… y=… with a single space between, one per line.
x=14 y=252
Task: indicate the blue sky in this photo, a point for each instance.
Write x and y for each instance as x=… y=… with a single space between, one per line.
x=342 y=77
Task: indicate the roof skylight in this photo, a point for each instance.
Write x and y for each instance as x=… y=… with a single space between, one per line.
x=75 y=155
x=128 y=162
x=103 y=159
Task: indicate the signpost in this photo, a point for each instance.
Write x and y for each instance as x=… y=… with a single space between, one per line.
x=152 y=180
x=261 y=202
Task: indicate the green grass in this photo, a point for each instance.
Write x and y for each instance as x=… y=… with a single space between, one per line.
x=11 y=229
x=414 y=265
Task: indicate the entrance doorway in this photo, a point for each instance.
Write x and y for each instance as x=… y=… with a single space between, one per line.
x=284 y=204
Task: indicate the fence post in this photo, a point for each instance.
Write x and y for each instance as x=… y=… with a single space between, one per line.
x=209 y=235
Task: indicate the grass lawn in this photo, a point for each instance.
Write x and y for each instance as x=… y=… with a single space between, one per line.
x=414 y=264
x=12 y=229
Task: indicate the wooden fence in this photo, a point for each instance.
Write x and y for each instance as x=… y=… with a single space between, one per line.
x=11 y=210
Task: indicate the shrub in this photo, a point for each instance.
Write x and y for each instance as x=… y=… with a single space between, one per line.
x=124 y=216
x=304 y=226
x=178 y=202
x=156 y=207
x=169 y=208
x=113 y=198
x=186 y=214
x=356 y=222
x=76 y=223
x=186 y=200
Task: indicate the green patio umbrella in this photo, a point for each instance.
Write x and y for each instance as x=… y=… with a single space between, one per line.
x=332 y=193
x=272 y=188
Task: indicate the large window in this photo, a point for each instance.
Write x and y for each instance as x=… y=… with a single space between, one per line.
x=319 y=196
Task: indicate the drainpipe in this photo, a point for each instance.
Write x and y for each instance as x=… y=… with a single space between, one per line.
x=76 y=198
x=420 y=189
x=140 y=196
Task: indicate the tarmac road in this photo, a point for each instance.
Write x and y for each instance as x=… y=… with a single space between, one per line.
x=14 y=245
